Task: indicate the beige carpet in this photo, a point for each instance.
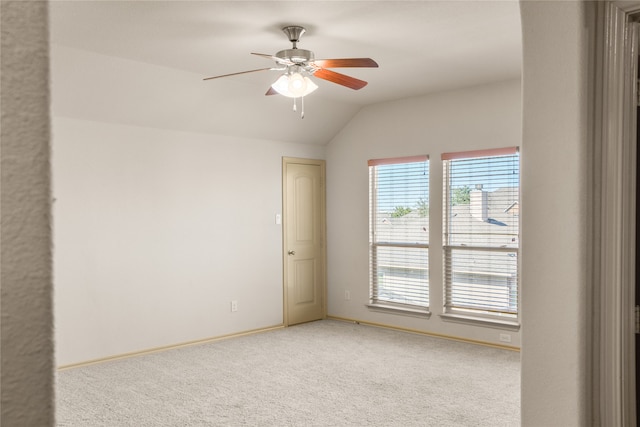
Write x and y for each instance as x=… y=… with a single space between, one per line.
x=326 y=373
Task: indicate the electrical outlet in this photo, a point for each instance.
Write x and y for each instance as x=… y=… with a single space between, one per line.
x=347 y=295
x=505 y=337
x=234 y=305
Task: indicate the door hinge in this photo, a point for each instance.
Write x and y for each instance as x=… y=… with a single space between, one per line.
x=637 y=319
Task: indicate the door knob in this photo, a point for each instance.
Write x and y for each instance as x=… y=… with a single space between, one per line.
x=291 y=252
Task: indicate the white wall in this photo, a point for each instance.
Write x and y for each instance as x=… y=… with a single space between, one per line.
x=26 y=326
x=555 y=333
x=157 y=231
x=474 y=118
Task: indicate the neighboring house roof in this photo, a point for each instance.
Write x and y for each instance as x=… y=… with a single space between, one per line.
x=499 y=229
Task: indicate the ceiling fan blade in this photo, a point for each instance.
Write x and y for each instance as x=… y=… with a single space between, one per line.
x=271 y=91
x=345 y=62
x=340 y=79
x=235 y=74
x=275 y=58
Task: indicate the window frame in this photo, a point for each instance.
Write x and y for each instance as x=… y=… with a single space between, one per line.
x=480 y=315
x=375 y=303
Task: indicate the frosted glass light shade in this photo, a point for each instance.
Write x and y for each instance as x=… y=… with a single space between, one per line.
x=294 y=85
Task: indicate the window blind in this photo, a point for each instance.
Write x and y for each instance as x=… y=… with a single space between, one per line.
x=399 y=231
x=481 y=231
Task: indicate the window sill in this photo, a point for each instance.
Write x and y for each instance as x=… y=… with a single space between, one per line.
x=512 y=325
x=394 y=309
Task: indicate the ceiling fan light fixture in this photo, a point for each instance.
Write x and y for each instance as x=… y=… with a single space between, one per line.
x=294 y=85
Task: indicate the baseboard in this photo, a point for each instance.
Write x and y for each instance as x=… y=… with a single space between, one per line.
x=431 y=334
x=168 y=347
x=271 y=328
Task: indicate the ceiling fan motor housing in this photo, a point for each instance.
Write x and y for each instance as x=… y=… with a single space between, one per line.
x=298 y=56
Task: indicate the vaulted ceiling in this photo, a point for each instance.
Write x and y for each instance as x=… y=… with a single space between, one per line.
x=142 y=62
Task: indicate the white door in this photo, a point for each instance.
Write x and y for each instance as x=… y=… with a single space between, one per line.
x=304 y=240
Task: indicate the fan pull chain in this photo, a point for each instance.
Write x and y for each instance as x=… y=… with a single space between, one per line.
x=295 y=106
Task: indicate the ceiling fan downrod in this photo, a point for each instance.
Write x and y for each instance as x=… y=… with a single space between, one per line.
x=294 y=33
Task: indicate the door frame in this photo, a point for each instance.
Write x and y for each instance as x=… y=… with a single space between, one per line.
x=323 y=234
x=613 y=199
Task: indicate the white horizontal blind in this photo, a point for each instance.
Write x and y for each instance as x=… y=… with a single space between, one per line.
x=399 y=231
x=481 y=231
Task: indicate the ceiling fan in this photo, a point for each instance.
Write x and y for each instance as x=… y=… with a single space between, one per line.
x=300 y=64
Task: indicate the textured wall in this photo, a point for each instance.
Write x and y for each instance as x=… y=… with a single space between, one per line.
x=554 y=214
x=27 y=379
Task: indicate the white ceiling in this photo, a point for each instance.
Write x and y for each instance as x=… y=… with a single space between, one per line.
x=421 y=47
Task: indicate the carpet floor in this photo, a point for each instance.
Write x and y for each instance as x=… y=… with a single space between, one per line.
x=324 y=373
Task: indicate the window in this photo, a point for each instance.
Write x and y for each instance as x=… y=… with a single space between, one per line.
x=399 y=233
x=481 y=233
